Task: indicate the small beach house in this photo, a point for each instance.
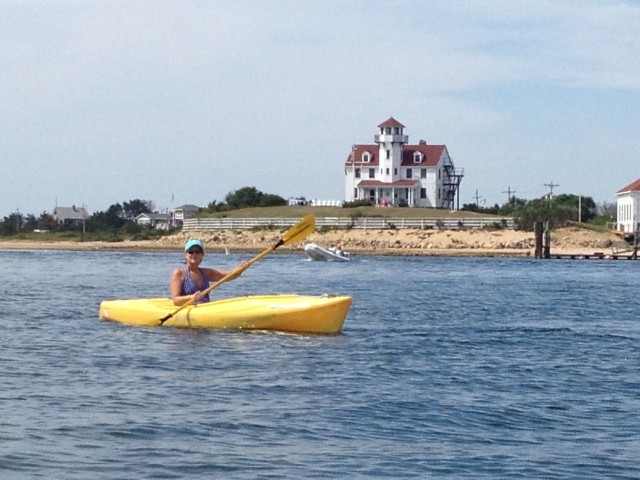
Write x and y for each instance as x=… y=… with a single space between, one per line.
x=181 y=213
x=628 y=207
x=68 y=216
x=159 y=221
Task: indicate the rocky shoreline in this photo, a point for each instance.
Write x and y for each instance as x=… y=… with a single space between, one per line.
x=415 y=242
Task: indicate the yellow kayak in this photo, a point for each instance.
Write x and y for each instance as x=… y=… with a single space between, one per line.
x=289 y=313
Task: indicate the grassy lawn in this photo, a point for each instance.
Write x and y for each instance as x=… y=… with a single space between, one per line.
x=300 y=211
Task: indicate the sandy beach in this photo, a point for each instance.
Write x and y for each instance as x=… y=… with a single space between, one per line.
x=565 y=241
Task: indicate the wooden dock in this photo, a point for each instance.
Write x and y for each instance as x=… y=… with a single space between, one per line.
x=542 y=232
x=591 y=256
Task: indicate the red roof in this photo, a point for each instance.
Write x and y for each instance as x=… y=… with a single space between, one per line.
x=431 y=155
x=632 y=187
x=358 y=150
x=377 y=183
x=392 y=122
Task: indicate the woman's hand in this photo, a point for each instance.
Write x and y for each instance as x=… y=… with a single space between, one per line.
x=236 y=272
x=197 y=296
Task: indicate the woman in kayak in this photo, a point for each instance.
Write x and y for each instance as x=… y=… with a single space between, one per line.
x=188 y=283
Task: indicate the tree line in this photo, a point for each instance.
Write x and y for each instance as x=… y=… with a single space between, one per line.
x=558 y=210
x=117 y=216
x=121 y=217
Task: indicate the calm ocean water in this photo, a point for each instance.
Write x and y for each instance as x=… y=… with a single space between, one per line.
x=446 y=368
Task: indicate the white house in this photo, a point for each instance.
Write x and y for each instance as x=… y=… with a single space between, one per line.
x=392 y=172
x=628 y=207
x=184 y=211
x=159 y=221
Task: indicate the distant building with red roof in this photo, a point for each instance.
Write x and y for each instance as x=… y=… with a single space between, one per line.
x=628 y=207
x=392 y=172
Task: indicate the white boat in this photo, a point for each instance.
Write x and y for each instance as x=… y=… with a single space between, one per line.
x=315 y=252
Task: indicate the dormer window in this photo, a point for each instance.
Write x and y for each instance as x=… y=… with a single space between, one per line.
x=417 y=157
x=366 y=157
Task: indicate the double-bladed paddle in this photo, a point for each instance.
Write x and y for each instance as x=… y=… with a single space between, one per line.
x=300 y=230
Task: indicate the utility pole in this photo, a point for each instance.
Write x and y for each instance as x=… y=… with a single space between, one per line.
x=84 y=219
x=509 y=192
x=477 y=199
x=550 y=187
x=579 y=208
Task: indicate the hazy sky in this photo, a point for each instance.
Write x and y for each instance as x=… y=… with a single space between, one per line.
x=102 y=102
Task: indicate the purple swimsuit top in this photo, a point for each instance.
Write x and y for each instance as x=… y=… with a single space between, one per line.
x=189 y=287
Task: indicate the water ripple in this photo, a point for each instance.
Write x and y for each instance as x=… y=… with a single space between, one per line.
x=461 y=368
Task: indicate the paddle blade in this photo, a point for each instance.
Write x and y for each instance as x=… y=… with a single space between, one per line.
x=300 y=230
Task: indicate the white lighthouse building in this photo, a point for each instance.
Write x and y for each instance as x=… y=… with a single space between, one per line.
x=392 y=172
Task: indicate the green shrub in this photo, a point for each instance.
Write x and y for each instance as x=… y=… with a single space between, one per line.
x=357 y=203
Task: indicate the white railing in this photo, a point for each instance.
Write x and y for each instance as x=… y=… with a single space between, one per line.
x=360 y=223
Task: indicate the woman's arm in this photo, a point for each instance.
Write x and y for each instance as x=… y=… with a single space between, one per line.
x=216 y=275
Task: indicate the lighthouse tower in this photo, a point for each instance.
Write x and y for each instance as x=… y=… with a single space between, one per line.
x=391 y=141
